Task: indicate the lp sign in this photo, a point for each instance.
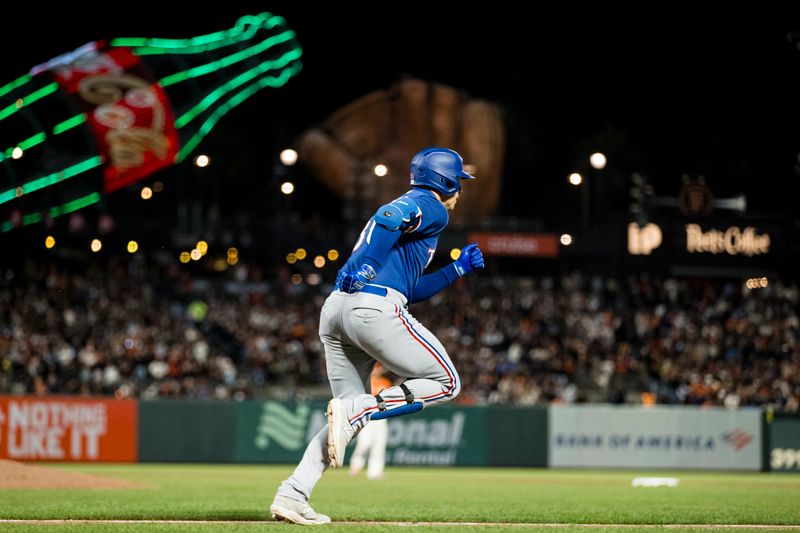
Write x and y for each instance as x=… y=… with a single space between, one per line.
x=643 y=240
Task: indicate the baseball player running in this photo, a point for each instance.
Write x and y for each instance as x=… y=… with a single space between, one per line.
x=366 y=319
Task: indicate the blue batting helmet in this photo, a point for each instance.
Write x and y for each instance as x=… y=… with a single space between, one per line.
x=440 y=169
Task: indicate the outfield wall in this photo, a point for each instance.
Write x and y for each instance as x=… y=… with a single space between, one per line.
x=277 y=432
x=783 y=433
x=600 y=436
x=587 y=435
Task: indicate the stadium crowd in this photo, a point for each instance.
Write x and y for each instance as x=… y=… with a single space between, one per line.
x=141 y=329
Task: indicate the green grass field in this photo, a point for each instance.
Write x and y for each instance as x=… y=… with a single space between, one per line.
x=237 y=497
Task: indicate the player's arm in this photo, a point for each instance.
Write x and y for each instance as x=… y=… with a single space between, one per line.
x=390 y=222
x=471 y=258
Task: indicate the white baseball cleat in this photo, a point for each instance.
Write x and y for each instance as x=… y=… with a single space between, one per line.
x=340 y=432
x=296 y=512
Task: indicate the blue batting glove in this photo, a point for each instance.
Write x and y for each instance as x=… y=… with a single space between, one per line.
x=471 y=258
x=351 y=282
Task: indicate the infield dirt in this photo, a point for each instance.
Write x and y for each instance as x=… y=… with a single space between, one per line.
x=16 y=475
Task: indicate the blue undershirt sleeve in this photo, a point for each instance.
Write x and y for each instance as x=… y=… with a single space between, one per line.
x=381 y=241
x=430 y=284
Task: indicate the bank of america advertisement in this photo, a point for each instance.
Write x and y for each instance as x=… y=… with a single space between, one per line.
x=660 y=437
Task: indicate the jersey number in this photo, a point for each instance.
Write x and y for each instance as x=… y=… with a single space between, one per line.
x=431 y=251
x=366 y=234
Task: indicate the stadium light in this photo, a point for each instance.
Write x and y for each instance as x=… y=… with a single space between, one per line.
x=598 y=161
x=220 y=265
x=288 y=157
x=233 y=256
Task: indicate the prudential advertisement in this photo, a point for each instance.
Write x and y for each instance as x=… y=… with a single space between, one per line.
x=660 y=437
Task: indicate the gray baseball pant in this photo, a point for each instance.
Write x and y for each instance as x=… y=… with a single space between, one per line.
x=357 y=330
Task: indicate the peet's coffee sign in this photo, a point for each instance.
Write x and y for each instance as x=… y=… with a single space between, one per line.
x=731 y=241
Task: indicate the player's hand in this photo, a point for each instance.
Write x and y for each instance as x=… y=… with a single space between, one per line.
x=351 y=282
x=471 y=258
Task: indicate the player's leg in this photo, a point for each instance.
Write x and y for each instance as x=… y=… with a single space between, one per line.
x=349 y=369
x=348 y=412
x=379 y=434
x=408 y=349
x=363 y=446
x=417 y=354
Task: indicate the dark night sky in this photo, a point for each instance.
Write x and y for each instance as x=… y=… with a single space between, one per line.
x=663 y=89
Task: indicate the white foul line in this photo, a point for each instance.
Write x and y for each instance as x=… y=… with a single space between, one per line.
x=403 y=524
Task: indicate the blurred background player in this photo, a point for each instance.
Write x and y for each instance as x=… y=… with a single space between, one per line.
x=373 y=438
x=366 y=320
